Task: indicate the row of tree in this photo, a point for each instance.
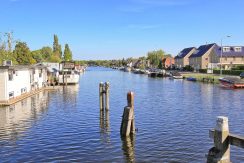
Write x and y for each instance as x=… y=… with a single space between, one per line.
x=152 y=60
x=21 y=54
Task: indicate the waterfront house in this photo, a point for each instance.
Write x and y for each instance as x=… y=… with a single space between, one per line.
x=182 y=59
x=168 y=62
x=18 y=80
x=68 y=74
x=231 y=56
x=200 y=58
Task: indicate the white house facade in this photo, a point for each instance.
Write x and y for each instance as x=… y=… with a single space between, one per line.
x=18 y=80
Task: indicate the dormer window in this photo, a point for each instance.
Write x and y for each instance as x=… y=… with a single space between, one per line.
x=237 y=49
x=226 y=49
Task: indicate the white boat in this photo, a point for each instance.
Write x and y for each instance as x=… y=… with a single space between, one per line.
x=69 y=77
x=176 y=75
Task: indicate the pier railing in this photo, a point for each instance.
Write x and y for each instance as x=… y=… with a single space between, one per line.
x=220 y=153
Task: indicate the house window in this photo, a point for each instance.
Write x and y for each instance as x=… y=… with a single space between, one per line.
x=10 y=75
x=237 y=49
x=242 y=58
x=23 y=90
x=226 y=49
x=225 y=58
x=11 y=94
x=234 y=58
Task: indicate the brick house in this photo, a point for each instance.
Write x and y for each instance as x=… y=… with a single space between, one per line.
x=182 y=59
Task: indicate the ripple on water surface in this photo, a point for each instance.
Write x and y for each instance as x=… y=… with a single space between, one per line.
x=172 y=116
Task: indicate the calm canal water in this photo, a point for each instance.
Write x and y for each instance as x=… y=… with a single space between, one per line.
x=172 y=116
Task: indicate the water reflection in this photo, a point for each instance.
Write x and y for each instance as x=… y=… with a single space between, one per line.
x=69 y=94
x=128 y=147
x=105 y=126
x=17 y=118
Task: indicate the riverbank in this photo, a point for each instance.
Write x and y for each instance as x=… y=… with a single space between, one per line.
x=200 y=77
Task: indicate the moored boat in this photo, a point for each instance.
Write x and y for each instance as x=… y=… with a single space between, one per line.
x=191 y=79
x=176 y=75
x=231 y=82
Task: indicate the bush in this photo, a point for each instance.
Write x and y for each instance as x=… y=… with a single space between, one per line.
x=229 y=72
x=188 y=68
x=203 y=70
x=241 y=67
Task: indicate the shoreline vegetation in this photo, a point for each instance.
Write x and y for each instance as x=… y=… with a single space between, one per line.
x=21 y=54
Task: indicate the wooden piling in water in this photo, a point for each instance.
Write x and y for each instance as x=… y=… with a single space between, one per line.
x=220 y=153
x=101 y=96
x=107 y=96
x=128 y=124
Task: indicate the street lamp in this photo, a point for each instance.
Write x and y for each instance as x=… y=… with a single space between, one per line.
x=221 y=54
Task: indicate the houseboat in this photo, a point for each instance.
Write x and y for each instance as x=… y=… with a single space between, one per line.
x=68 y=74
x=18 y=80
x=232 y=82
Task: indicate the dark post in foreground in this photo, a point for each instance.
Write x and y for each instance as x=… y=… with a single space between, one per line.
x=128 y=118
x=104 y=96
x=220 y=153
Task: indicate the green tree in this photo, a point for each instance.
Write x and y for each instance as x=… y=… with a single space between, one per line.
x=46 y=52
x=5 y=48
x=57 y=49
x=54 y=58
x=22 y=54
x=37 y=56
x=67 y=53
x=155 y=57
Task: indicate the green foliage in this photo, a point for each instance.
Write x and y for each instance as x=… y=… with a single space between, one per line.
x=203 y=70
x=67 y=53
x=46 y=52
x=54 y=58
x=188 y=68
x=23 y=54
x=6 y=53
x=160 y=66
x=57 y=49
x=37 y=56
x=240 y=67
x=155 y=57
x=228 y=72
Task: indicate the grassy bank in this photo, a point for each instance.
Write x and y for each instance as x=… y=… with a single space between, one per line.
x=200 y=77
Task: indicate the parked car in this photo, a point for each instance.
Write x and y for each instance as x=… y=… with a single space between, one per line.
x=242 y=75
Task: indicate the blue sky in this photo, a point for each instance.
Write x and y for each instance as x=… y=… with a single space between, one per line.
x=112 y=29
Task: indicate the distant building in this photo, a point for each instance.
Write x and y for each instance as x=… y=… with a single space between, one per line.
x=182 y=59
x=209 y=56
x=18 y=80
x=231 y=56
x=200 y=58
x=168 y=62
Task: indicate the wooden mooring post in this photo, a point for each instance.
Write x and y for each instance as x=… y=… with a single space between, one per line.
x=128 y=118
x=220 y=153
x=104 y=96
